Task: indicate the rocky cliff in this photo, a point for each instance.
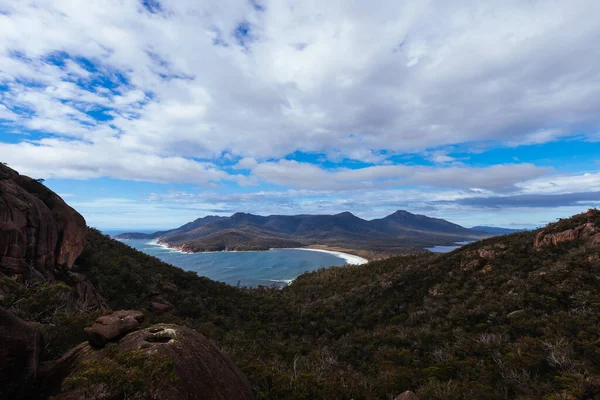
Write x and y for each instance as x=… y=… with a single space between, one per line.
x=38 y=230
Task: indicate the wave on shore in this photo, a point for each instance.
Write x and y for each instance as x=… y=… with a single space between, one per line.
x=155 y=242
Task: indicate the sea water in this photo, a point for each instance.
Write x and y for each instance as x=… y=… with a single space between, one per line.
x=246 y=268
x=447 y=249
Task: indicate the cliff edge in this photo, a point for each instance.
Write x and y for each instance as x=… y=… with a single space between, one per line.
x=38 y=230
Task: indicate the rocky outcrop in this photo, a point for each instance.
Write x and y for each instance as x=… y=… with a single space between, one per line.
x=21 y=344
x=201 y=370
x=38 y=230
x=109 y=328
x=583 y=232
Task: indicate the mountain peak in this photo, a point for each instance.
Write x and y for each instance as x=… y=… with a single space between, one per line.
x=402 y=212
x=345 y=214
x=240 y=215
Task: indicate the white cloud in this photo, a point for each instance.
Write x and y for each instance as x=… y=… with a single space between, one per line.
x=75 y=69
x=542 y=136
x=439 y=157
x=560 y=184
x=7 y=114
x=346 y=79
x=53 y=158
x=403 y=76
x=309 y=176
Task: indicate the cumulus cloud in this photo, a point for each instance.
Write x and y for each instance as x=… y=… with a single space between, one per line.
x=50 y=158
x=230 y=92
x=561 y=184
x=199 y=78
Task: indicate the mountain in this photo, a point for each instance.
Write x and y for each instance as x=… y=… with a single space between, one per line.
x=396 y=233
x=184 y=228
x=495 y=230
x=508 y=317
x=403 y=221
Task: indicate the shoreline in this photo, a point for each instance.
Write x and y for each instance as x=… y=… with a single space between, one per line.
x=174 y=249
x=351 y=259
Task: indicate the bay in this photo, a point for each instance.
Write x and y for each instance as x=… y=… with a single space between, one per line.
x=247 y=268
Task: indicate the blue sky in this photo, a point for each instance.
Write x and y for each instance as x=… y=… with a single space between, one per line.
x=148 y=114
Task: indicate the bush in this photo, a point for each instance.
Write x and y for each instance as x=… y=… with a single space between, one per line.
x=131 y=374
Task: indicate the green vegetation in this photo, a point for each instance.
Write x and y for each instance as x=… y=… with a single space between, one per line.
x=130 y=375
x=497 y=319
x=47 y=304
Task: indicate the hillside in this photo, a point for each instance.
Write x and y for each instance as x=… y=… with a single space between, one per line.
x=399 y=232
x=507 y=317
x=511 y=317
x=497 y=319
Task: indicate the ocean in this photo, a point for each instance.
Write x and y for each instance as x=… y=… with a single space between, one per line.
x=447 y=249
x=252 y=268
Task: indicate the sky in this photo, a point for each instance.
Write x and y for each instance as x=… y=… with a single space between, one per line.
x=149 y=114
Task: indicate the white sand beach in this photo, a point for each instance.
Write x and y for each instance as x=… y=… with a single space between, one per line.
x=350 y=258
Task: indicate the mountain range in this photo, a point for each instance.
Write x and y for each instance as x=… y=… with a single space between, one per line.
x=397 y=233
x=85 y=316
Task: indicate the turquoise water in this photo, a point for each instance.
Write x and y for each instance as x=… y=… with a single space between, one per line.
x=252 y=268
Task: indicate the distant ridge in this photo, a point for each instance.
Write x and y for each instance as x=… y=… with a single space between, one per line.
x=399 y=232
x=496 y=230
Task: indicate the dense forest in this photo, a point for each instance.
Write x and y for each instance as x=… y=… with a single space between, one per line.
x=516 y=316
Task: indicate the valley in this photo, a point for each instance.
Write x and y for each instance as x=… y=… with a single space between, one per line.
x=513 y=316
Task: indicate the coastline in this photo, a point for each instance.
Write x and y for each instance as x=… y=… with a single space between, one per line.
x=175 y=249
x=351 y=259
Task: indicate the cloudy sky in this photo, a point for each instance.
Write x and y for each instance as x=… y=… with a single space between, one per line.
x=148 y=114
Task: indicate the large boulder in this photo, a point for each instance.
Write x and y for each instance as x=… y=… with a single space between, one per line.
x=38 y=230
x=21 y=344
x=201 y=370
x=110 y=328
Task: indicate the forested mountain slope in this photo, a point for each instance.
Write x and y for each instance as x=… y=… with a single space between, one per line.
x=516 y=316
x=508 y=317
